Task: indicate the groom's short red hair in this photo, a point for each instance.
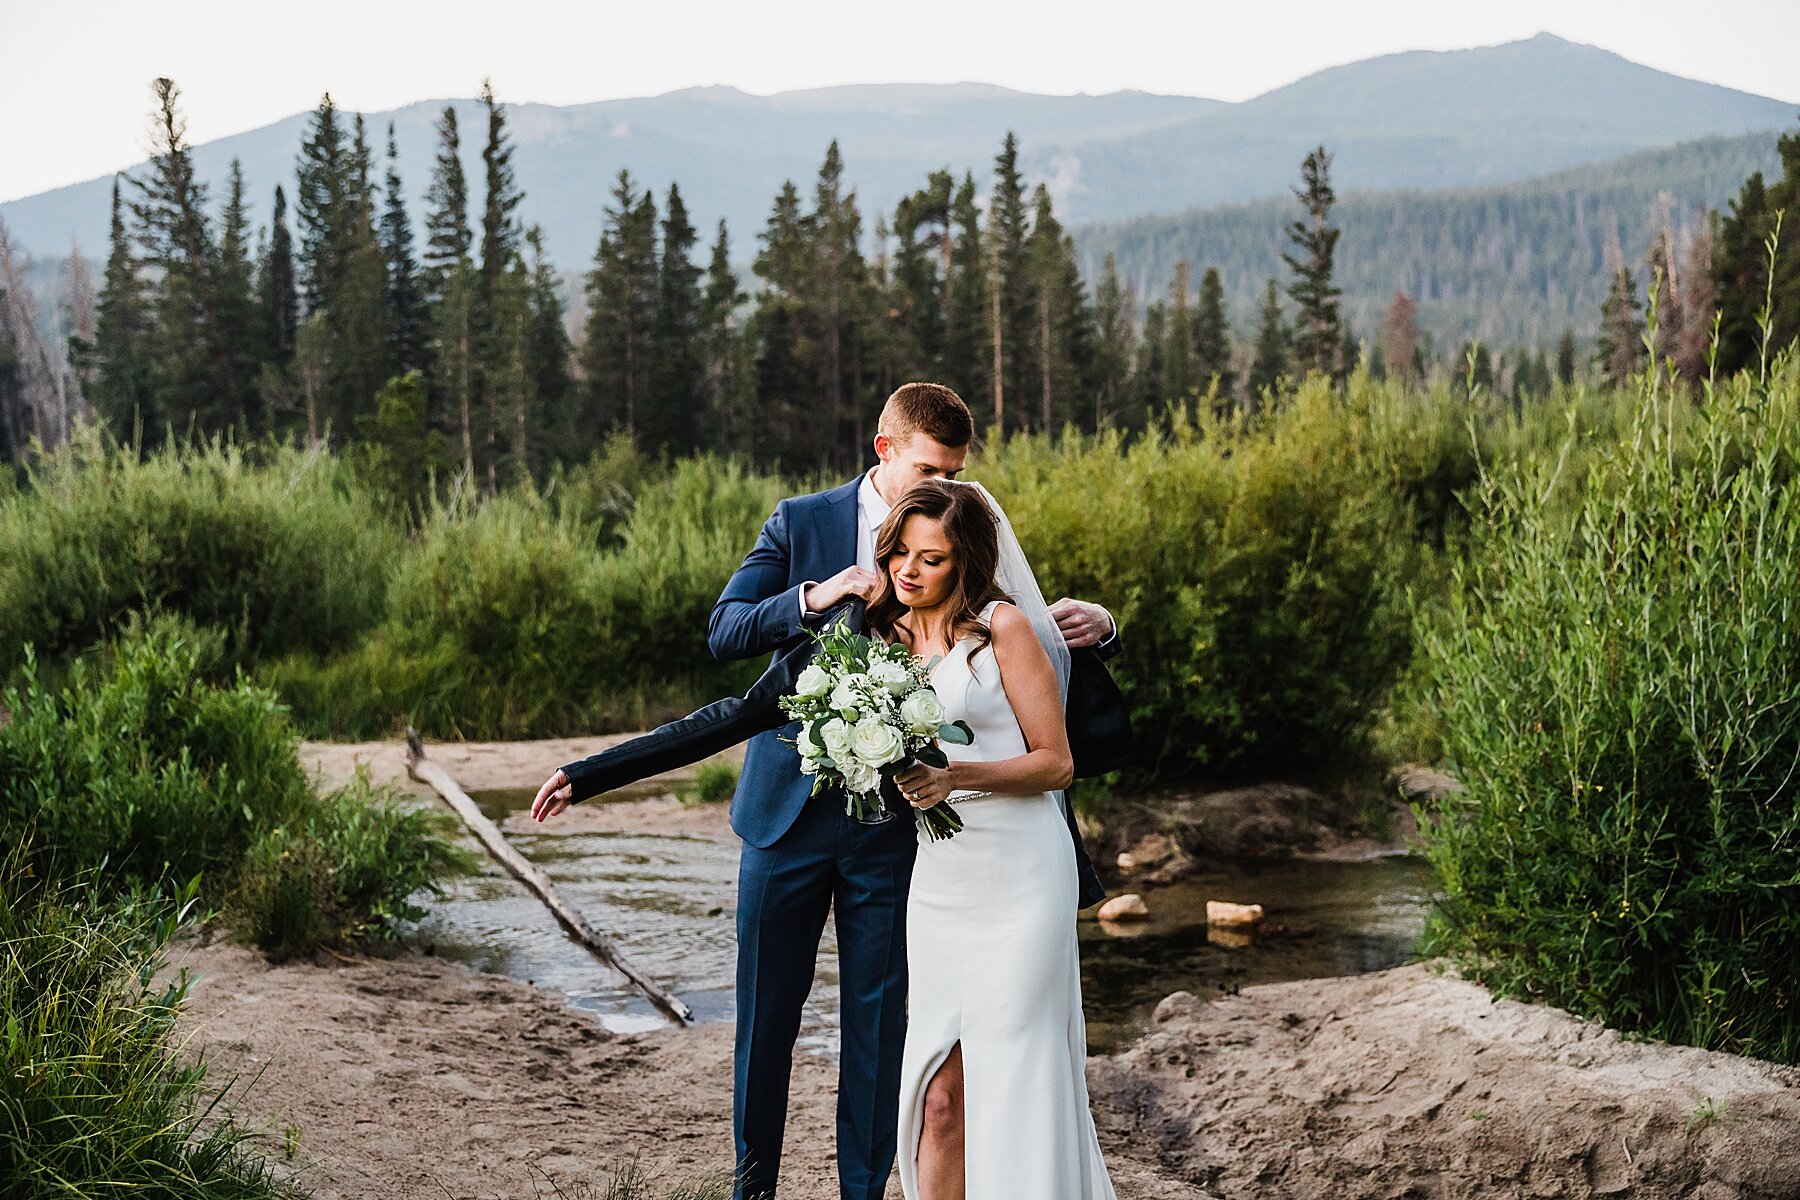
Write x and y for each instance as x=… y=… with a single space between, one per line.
x=928 y=408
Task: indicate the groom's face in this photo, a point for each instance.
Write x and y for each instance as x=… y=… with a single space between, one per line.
x=919 y=456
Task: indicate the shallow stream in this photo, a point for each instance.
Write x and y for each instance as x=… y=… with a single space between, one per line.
x=668 y=902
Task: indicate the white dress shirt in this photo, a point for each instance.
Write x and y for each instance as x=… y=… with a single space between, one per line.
x=871 y=511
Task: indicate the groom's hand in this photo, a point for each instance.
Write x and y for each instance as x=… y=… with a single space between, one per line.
x=1081 y=623
x=553 y=797
x=851 y=581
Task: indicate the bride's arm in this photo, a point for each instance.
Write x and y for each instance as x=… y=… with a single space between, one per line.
x=1031 y=688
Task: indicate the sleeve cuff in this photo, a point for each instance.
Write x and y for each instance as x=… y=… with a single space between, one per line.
x=807 y=616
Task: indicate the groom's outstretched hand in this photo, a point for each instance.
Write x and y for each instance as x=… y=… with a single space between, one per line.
x=556 y=795
x=1081 y=623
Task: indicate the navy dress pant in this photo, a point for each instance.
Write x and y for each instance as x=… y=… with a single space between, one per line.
x=825 y=863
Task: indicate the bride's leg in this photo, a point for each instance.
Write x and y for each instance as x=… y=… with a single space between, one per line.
x=941 y=1132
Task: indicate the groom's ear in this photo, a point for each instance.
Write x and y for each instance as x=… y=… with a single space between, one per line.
x=884 y=446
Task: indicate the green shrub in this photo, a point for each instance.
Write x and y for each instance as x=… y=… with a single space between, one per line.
x=1258 y=572
x=143 y=765
x=93 y=1100
x=343 y=873
x=714 y=782
x=281 y=555
x=1614 y=681
x=144 y=768
x=511 y=621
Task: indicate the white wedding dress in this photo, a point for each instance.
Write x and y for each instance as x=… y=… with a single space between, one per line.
x=993 y=963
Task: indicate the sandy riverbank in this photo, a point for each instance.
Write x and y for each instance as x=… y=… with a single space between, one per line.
x=416 y=1078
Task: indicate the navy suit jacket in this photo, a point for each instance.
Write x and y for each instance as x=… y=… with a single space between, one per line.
x=806 y=538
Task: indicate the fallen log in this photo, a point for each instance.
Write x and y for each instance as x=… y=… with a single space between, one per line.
x=440 y=781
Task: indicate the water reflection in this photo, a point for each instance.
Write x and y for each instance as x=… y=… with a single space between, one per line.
x=1341 y=919
x=669 y=903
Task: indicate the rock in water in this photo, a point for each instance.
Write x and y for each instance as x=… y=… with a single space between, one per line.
x=1129 y=907
x=1221 y=912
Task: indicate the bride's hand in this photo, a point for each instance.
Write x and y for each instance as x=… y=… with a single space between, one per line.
x=924 y=786
x=556 y=795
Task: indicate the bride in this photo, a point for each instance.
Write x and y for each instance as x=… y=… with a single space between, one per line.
x=993 y=1100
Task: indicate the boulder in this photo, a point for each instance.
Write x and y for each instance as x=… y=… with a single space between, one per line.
x=1129 y=907
x=1222 y=912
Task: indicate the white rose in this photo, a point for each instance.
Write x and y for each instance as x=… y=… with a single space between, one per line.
x=891 y=675
x=807 y=746
x=814 y=681
x=876 y=742
x=860 y=776
x=923 y=712
x=836 y=736
x=809 y=766
x=848 y=694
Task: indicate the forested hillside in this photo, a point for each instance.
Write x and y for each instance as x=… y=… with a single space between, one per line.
x=1511 y=264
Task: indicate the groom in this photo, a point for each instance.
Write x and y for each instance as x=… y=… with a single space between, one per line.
x=803 y=857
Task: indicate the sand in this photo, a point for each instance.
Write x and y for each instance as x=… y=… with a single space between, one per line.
x=414 y=1077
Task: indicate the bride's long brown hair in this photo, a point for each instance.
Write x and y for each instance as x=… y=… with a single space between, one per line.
x=970 y=526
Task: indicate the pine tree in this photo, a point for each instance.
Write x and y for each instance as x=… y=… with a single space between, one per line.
x=839 y=298
x=718 y=340
x=550 y=352
x=1668 y=283
x=924 y=242
x=500 y=320
x=1740 y=272
x=621 y=297
x=1014 y=302
x=1147 y=373
x=672 y=418
x=356 y=308
x=450 y=286
x=237 y=308
x=121 y=390
x=1317 y=334
x=1269 y=362
x=406 y=304
x=967 y=338
x=1212 y=340
x=1115 y=321
x=1620 y=350
x=320 y=205
x=448 y=241
x=1565 y=358
x=779 y=389
x=191 y=371
x=1694 y=344
x=397 y=449
x=1063 y=346
x=499 y=230
x=1400 y=338
x=277 y=298
x=1180 y=379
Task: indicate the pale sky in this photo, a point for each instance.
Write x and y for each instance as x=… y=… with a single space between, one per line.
x=75 y=74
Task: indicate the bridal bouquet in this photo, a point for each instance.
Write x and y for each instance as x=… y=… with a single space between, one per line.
x=867 y=711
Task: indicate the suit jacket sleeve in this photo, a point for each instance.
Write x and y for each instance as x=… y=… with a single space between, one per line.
x=758 y=611
x=1110 y=646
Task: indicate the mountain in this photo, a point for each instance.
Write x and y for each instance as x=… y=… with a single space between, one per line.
x=729 y=151
x=1418 y=119
x=1513 y=263
x=1422 y=119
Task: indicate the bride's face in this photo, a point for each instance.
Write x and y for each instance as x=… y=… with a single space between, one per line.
x=923 y=565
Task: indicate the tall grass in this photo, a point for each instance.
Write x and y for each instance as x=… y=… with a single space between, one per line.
x=93 y=1100
x=1613 y=675
x=285 y=553
x=143 y=769
x=523 y=617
